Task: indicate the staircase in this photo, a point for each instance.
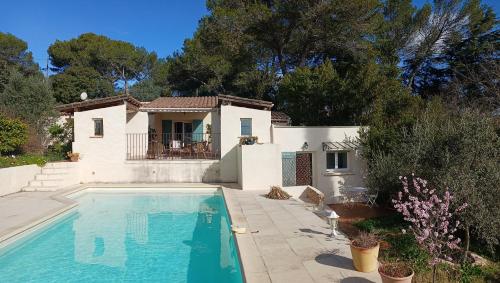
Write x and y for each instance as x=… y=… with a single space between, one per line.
x=53 y=176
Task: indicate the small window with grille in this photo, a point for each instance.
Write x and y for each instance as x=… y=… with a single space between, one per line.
x=98 y=127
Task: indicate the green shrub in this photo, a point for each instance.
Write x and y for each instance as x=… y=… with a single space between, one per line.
x=393 y=222
x=453 y=150
x=404 y=247
x=468 y=272
x=61 y=139
x=13 y=134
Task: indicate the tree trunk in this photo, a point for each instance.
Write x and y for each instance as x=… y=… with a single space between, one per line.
x=281 y=62
x=125 y=81
x=467 y=242
x=434 y=274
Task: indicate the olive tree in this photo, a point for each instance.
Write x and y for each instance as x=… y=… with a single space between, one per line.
x=455 y=149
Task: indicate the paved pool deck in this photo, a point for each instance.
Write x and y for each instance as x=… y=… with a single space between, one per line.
x=288 y=243
x=285 y=241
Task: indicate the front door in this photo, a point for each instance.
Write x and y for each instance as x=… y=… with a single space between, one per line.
x=303 y=169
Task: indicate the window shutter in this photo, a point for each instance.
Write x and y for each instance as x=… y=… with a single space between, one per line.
x=166 y=131
x=197 y=130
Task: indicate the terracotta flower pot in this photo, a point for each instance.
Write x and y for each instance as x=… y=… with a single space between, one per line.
x=389 y=279
x=365 y=259
x=74 y=158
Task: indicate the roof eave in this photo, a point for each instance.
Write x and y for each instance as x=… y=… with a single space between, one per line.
x=154 y=109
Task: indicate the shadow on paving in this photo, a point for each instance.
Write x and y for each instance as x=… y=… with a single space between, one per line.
x=335 y=260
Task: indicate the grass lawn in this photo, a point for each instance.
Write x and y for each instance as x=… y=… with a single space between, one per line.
x=398 y=246
x=27 y=159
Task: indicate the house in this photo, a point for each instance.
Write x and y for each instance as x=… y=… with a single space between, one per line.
x=210 y=139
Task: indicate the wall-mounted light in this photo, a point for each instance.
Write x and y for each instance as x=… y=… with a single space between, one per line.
x=305 y=146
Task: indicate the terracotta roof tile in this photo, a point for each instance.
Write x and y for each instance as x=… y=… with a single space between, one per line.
x=280 y=118
x=98 y=103
x=183 y=102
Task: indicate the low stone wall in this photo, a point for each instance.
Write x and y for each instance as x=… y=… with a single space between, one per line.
x=152 y=171
x=13 y=179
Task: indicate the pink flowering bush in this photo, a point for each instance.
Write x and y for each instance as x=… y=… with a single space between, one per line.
x=430 y=217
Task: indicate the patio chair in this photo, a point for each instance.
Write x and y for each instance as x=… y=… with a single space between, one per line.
x=371 y=199
x=201 y=148
x=186 y=151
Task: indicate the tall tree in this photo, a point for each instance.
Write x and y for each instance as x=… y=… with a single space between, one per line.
x=246 y=47
x=14 y=56
x=474 y=66
x=445 y=27
x=28 y=98
x=333 y=97
x=96 y=62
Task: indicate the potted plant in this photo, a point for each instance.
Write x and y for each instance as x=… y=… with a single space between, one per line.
x=395 y=272
x=73 y=156
x=364 y=251
x=248 y=140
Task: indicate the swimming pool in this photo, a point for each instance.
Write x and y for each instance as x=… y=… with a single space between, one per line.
x=130 y=237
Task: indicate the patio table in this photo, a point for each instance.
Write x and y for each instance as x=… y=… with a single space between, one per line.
x=355 y=193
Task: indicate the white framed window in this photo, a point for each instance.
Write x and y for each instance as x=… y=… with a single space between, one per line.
x=336 y=160
x=98 y=127
x=246 y=126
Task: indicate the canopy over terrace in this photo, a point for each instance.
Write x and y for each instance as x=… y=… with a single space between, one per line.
x=343 y=145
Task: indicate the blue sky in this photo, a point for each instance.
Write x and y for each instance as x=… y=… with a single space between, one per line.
x=157 y=25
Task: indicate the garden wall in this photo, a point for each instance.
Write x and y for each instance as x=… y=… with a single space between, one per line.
x=13 y=179
x=259 y=166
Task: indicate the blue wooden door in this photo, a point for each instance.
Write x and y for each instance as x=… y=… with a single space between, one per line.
x=288 y=168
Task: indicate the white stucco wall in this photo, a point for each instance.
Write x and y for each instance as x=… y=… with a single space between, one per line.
x=291 y=139
x=230 y=133
x=100 y=156
x=137 y=122
x=259 y=166
x=15 y=178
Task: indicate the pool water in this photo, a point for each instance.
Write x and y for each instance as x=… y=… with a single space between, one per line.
x=128 y=237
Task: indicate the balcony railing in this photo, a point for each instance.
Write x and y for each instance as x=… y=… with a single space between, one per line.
x=173 y=146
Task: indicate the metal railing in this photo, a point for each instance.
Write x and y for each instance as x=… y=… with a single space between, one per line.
x=173 y=146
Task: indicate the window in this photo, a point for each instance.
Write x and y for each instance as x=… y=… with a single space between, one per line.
x=336 y=160
x=98 y=128
x=246 y=126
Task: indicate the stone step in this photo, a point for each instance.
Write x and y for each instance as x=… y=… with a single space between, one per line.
x=43 y=177
x=62 y=164
x=54 y=170
x=39 y=189
x=46 y=183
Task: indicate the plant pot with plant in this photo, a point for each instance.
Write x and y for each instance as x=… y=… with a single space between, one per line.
x=395 y=273
x=364 y=251
x=248 y=140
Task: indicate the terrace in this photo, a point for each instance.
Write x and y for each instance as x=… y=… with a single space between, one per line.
x=173 y=146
